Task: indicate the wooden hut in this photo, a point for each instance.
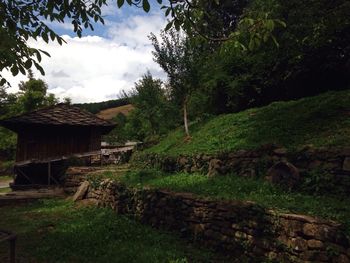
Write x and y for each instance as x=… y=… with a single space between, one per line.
x=48 y=136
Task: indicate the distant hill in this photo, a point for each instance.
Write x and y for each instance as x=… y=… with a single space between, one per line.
x=110 y=113
x=96 y=107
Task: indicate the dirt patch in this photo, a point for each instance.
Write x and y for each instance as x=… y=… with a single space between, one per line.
x=110 y=113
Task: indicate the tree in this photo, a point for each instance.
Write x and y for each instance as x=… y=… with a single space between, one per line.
x=151 y=106
x=119 y=134
x=21 y=20
x=33 y=94
x=67 y=100
x=153 y=115
x=312 y=56
x=177 y=58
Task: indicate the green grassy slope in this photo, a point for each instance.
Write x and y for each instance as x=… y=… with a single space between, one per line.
x=58 y=231
x=323 y=120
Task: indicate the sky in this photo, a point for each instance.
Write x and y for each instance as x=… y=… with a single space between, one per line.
x=103 y=62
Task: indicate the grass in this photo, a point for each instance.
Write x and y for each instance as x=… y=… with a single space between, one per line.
x=245 y=189
x=6 y=164
x=59 y=231
x=323 y=120
x=5 y=190
x=5 y=178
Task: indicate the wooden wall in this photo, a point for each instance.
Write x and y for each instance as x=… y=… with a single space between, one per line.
x=43 y=143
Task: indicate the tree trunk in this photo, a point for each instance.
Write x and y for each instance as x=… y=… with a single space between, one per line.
x=185 y=118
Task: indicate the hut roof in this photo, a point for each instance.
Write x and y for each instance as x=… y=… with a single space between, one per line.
x=57 y=115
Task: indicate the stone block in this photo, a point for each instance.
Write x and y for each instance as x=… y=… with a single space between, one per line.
x=248 y=173
x=341 y=259
x=315 y=256
x=346 y=164
x=283 y=174
x=215 y=168
x=298 y=244
x=315 y=244
x=291 y=228
x=82 y=191
x=280 y=151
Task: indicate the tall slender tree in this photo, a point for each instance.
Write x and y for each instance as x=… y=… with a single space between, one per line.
x=177 y=58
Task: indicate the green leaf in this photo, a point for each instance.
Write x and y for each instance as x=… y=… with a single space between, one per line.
x=28 y=64
x=14 y=70
x=38 y=67
x=2 y=82
x=275 y=41
x=38 y=56
x=52 y=35
x=282 y=23
x=217 y=2
x=251 y=44
x=167 y=12
x=45 y=37
x=168 y=26
x=22 y=70
x=145 y=5
x=270 y=25
x=59 y=40
x=177 y=24
x=120 y=3
x=44 y=52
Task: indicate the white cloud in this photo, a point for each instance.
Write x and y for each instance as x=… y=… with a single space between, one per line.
x=94 y=68
x=135 y=32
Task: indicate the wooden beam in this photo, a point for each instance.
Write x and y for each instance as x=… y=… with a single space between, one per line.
x=22 y=173
x=54 y=159
x=49 y=173
x=11 y=238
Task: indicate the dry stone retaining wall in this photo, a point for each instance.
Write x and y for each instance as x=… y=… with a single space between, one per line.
x=236 y=228
x=253 y=163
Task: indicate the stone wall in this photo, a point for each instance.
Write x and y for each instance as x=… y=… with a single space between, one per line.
x=255 y=163
x=235 y=228
x=74 y=176
x=116 y=156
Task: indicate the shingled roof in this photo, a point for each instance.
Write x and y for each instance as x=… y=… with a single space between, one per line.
x=57 y=115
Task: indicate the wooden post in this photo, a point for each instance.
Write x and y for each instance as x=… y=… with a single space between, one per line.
x=11 y=238
x=13 y=250
x=49 y=173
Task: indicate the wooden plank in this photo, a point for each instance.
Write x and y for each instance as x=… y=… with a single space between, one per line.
x=55 y=159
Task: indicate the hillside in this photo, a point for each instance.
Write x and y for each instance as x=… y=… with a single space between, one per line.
x=110 y=113
x=322 y=120
x=95 y=107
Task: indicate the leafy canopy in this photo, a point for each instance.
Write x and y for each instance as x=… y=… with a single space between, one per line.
x=22 y=20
